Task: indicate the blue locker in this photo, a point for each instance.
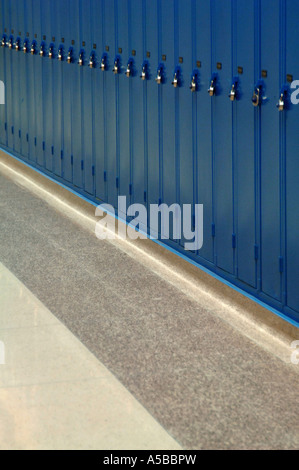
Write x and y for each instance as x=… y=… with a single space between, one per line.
x=57 y=90
x=203 y=125
x=24 y=85
x=222 y=134
x=9 y=80
x=99 y=102
x=38 y=85
x=31 y=79
x=75 y=73
x=270 y=151
x=124 y=87
x=138 y=102
x=291 y=161
x=110 y=103
x=88 y=76
x=246 y=119
x=15 y=76
x=66 y=41
x=47 y=83
x=186 y=104
x=153 y=105
x=2 y=78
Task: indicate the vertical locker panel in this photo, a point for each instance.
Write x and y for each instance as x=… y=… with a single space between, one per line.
x=244 y=138
x=110 y=102
x=57 y=96
x=138 y=96
x=15 y=78
x=75 y=75
x=292 y=161
x=99 y=103
x=24 y=85
x=270 y=154
x=203 y=124
x=169 y=97
x=47 y=70
x=187 y=101
x=124 y=116
x=30 y=59
x=9 y=79
x=2 y=79
x=222 y=134
x=87 y=98
x=66 y=39
x=153 y=106
x=38 y=70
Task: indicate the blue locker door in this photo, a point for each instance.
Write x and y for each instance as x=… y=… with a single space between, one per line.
x=124 y=91
x=30 y=59
x=185 y=59
x=292 y=161
x=203 y=122
x=99 y=103
x=47 y=70
x=138 y=103
x=15 y=70
x=38 y=70
x=169 y=105
x=9 y=78
x=110 y=102
x=270 y=154
x=75 y=75
x=66 y=40
x=2 y=79
x=245 y=119
x=222 y=134
x=87 y=96
x=153 y=106
x=24 y=70
x=57 y=94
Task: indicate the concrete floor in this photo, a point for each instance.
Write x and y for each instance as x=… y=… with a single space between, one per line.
x=207 y=385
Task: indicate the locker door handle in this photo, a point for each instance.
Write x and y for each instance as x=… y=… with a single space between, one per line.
x=176 y=82
x=3 y=41
x=160 y=75
x=60 y=54
x=33 y=48
x=51 y=51
x=194 y=82
x=212 y=89
x=129 y=71
x=25 y=46
x=18 y=44
x=70 y=56
x=234 y=90
x=10 y=42
x=257 y=94
x=81 y=58
x=144 y=73
x=282 y=102
x=104 y=62
x=42 y=51
x=92 y=60
x=116 y=67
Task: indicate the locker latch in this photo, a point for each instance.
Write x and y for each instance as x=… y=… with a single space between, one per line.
x=51 y=51
x=70 y=56
x=33 y=48
x=160 y=75
x=282 y=102
x=144 y=73
x=233 y=93
x=116 y=66
x=176 y=82
x=257 y=94
x=60 y=53
x=194 y=81
x=129 y=70
x=212 y=89
x=104 y=62
x=81 y=58
x=18 y=44
x=25 y=46
x=92 y=60
x=10 y=42
x=3 y=41
x=42 y=50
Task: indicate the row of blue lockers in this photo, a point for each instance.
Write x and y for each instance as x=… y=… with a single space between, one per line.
x=168 y=101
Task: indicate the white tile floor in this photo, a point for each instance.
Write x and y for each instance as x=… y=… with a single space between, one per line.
x=54 y=394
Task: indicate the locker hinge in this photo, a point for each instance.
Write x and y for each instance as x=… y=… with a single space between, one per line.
x=145 y=196
x=61 y=154
x=130 y=190
x=44 y=146
x=281 y=264
x=117 y=183
x=82 y=165
x=93 y=171
x=234 y=241
x=213 y=230
x=105 y=176
x=256 y=252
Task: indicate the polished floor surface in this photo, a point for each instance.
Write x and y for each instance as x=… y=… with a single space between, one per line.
x=179 y=364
